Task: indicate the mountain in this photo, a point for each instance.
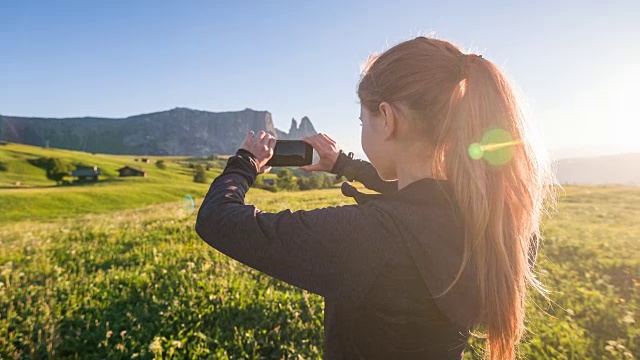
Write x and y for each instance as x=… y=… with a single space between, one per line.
x=296 y=132
x=621 y=169
x=179 y=131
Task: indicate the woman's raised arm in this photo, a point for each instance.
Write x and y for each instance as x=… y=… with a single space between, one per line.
x=325 y=251
x=362 y=171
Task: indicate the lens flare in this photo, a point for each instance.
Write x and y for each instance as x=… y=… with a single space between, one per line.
x=492 y=147
x=189 y=206
x=496 y=147
x=476 y=151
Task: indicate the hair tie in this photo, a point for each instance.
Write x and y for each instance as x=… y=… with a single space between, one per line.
x=462 y=73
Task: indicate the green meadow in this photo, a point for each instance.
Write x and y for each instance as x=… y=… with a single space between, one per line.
x=115 y=270
x=37 y=198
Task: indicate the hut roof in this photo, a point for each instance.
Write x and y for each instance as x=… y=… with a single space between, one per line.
x=86 y=172
x=132 y=168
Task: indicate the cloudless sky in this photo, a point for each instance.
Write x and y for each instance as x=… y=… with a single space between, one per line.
x=576 y=62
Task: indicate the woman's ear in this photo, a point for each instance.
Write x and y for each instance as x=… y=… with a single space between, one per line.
x=389 y=120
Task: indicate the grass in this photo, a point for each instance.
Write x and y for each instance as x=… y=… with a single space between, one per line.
x=138 y=283
x=37 y=198
x=589 y=260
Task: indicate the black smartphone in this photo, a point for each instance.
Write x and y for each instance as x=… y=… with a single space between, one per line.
x=291 y=153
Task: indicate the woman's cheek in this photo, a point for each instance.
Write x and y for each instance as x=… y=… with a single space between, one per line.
x=367 y=146
x=363 y=142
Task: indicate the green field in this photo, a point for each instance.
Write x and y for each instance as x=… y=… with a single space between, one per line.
x=37 y=198
x=115 y=270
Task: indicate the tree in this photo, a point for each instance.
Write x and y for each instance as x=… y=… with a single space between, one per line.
x=58 y=169
x=161 y=165
x=286 y=180
x=330 y=180
x=199 y=174
x=309 y=182
x=315 y=181
x=303 y=183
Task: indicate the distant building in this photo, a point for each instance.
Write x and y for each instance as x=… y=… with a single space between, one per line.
x=268 y=182
x=3 y=143
x=145 y=160
x=131 y=171
x=86 y=174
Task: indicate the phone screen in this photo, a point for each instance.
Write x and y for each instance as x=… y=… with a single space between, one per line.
x=291 y=153
x=293 y=148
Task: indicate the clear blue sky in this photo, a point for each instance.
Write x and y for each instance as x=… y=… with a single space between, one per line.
x=578 y=63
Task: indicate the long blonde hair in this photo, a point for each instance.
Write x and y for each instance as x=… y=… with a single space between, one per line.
x=470 y=115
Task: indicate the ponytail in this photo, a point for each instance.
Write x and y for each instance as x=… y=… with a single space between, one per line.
x=482 y=147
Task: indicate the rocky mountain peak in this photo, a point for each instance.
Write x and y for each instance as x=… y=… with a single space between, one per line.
x=179 y=131
x=297 y=132
x=294 y=126
x=306 y=126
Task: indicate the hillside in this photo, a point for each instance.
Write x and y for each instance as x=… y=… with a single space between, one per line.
x=36 y=197
x=179 y=131
x=128 y=274
x=26 y=193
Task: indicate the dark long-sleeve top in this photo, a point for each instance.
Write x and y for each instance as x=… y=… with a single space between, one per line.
x=377 y=263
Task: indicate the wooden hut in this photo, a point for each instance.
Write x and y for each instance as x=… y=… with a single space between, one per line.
x=131 y=171
x=86 y=174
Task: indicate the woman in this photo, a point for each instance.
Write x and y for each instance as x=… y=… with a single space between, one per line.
x=446 y=246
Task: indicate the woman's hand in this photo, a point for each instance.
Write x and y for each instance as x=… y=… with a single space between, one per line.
x=261 y=146
x=327 y=150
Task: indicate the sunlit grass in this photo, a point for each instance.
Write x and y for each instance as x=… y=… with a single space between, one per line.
x=139 y=283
